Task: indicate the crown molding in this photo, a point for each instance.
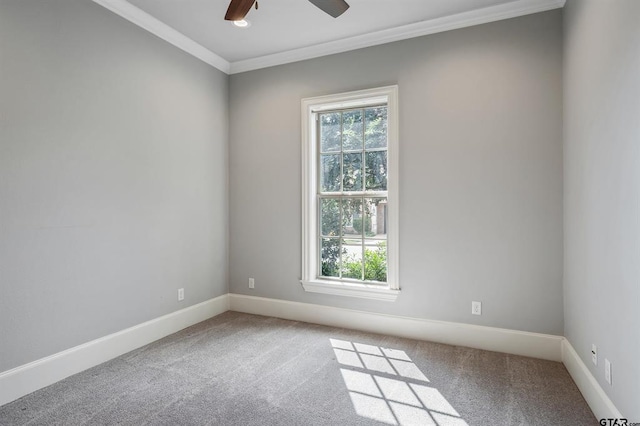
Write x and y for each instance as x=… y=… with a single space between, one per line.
x=460 y=20
x=165 y=32
x=432 y=26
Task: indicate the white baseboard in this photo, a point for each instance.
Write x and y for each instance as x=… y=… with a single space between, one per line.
x=28 y=378
x=535 y=345
x=597 y=399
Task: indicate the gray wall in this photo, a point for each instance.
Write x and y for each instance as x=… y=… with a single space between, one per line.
x=113 y=177
x=602 y=191
x=481 y=172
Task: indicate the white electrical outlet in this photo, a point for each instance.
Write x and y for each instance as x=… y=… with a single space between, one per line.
x=180 y=294
x=594 y=354
x=252 y=283
x=607 y=371
x=476 y=308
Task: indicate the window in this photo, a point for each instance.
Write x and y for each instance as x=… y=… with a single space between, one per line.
x=350 y=194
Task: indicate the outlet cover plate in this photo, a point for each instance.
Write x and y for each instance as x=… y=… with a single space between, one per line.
x=476 y=308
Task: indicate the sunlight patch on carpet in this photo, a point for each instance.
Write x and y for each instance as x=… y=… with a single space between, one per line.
x=385 y=385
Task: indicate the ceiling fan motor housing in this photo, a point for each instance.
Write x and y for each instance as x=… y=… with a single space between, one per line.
x=238 y=9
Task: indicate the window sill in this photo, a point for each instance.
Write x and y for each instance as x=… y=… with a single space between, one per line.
x=363 y=291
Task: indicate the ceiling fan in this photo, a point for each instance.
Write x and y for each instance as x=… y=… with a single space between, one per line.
x=238 y=9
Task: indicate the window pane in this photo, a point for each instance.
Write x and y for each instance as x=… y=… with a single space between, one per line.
x=352 y=217
x=352 y=259
x=330 y=132
x=330 y=173
x=330 y=257
x=352 y=130
x=376 y=170
x=352 y=172
x=375 y=260
x=375 y=213
x=375 y=135
x=330 y=217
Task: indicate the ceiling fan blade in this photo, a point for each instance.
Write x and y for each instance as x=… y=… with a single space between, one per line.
x=238 y=9
x=334 y=8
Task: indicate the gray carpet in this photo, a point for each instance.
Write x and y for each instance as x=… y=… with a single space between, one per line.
x=239 y=369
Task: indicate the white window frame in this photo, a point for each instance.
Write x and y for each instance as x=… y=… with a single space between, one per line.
x=311 y=280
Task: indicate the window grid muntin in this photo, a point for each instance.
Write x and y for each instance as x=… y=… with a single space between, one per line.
x=341 y=195
x=340 y=237
x=341 y=152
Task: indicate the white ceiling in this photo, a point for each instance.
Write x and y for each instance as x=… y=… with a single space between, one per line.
x=287 y=30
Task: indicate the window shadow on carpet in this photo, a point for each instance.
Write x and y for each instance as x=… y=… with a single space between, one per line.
x=385 y=385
